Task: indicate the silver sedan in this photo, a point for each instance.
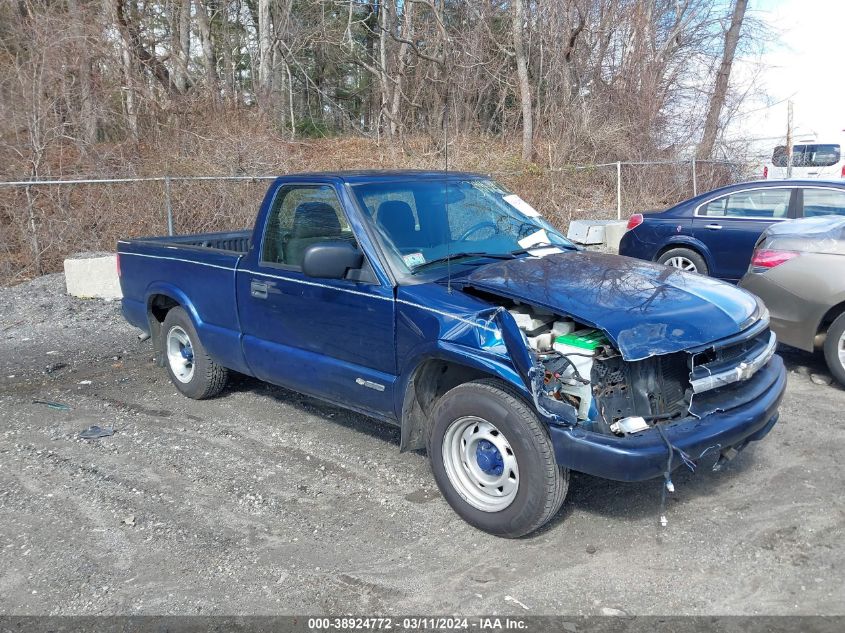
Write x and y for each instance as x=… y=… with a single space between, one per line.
x=798 y=270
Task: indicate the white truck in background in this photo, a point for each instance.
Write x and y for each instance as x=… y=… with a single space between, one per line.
x=812 y=158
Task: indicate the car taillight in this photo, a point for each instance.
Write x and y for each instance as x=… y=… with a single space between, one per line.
x=842 y=174
x=766 y=171
x=634 y=221
x=766 y=258
x=118 y=264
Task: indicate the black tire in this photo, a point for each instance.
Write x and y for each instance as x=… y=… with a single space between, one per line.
x=208 y=378
x=542 y=485
x=832 y=348
x=690 y=255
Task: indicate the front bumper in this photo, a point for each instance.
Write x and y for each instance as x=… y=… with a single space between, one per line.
x=644 y=455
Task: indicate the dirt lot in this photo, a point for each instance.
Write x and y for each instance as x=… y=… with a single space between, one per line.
x=262 y=501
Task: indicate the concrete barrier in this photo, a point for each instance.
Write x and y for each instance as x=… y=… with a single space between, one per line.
x=92 y=275
x=597 y=232
x=613 y=235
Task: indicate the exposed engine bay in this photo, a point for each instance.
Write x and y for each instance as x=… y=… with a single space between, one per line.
x=580 y=375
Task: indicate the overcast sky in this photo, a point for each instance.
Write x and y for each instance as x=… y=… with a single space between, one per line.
x=804 y=62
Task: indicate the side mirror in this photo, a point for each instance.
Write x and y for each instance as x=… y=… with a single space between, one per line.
x=331 y=259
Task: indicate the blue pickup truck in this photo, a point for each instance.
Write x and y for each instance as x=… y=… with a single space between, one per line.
x=446 y=305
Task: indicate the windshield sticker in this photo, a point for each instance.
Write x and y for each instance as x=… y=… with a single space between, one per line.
x=542 y=252
x=540 y=239
x=521 y=205
x=413 y=259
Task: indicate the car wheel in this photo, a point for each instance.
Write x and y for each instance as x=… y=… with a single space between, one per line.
x=684 y=259
x=834 y=349
x=191 y=369
x=493 y=460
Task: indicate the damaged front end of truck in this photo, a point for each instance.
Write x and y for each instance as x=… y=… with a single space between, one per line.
x=578 y=377
x=639 y=374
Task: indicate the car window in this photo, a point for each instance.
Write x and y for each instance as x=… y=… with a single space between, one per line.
x=302 y=216
x=759 y=203
x=823 y=202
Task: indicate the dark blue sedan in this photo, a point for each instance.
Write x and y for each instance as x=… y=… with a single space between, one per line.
x=715 y=232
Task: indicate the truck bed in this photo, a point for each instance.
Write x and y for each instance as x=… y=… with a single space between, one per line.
x=230 y=241
x=199 y=266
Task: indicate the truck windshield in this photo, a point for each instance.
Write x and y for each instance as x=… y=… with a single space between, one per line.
x=422 y=222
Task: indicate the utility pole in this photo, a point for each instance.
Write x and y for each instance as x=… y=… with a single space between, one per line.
x=789 y=139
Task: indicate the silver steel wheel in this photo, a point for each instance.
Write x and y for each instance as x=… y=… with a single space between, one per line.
x=840 y=349
x=180 y=354
x=683 y=263
x=480 y=464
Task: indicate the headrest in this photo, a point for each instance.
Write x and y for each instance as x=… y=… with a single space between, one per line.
x=315 y=219
x=397 y=218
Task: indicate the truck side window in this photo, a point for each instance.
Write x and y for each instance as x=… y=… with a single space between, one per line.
x=301 y=216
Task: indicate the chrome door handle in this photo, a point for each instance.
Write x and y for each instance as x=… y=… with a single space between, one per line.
x=714 y=227
x=258 y=289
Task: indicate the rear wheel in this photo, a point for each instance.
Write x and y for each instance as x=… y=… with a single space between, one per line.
x=493 y=460
x=684 y=259
x=190 y=368
x=834 y=348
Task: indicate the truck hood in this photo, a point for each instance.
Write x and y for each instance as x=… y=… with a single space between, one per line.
x=646 y=309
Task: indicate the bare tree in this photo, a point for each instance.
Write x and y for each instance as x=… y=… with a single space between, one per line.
x=717 y=99
x=133 y=86
x=87 y=114
x=593 y=78
x=265 y=46
x=208 y=45
x=147 y=59
x=524 y=83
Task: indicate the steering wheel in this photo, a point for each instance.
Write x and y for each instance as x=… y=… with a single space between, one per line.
x=486 y=224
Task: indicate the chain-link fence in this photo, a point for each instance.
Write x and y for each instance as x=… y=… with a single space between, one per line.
x=42 y=222
x=637 y=181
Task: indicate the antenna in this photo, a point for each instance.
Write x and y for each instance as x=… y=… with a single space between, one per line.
x=446 y=189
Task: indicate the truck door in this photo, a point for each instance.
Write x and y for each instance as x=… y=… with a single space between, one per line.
x=331 y=338
x=730 y=225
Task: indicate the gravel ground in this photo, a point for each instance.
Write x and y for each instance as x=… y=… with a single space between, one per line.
x=262 y=501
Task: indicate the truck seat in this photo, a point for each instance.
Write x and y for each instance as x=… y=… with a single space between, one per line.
x=313 y=222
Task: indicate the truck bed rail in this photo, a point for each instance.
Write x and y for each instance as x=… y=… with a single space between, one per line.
x=232 y=241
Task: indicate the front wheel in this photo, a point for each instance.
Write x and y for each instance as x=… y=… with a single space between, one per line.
x=834 y=349
x=684 y=259
x=493 y=460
